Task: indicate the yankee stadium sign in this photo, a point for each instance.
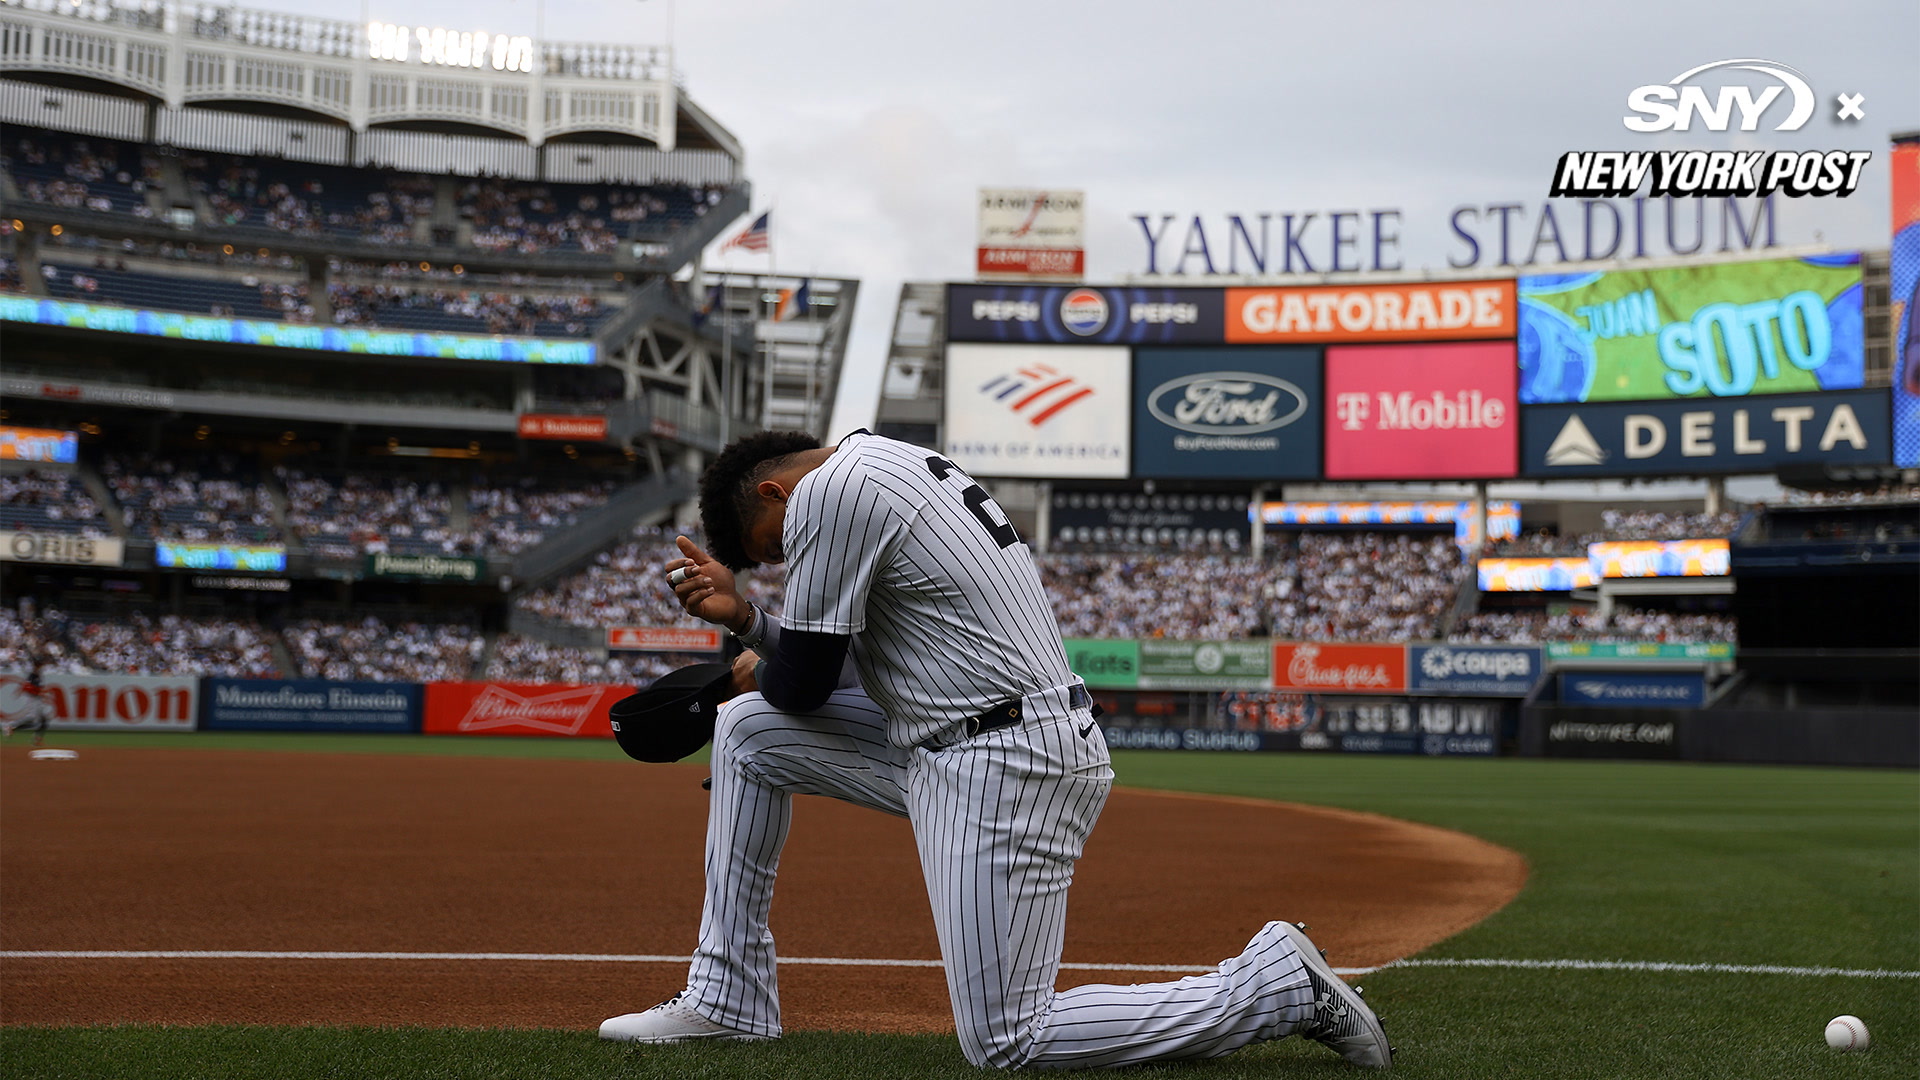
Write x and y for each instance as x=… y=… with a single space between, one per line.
x=1266 y=243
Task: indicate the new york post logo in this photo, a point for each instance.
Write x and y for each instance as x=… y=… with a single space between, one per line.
x=1785 y=98
x=1039 y=388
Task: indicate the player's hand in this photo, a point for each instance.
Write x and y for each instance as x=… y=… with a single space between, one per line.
x=707 y=591
x=743 y=665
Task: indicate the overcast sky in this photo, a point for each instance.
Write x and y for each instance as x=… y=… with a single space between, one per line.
x=870 y=124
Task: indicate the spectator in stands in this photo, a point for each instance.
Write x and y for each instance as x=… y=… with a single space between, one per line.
x=625 y=587
x=138 y=644
x=1625 y=625
x=524 y=659
x=50 y=501
x=209 y=501
x=373 y=650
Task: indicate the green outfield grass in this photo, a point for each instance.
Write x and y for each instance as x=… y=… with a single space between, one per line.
x=1630 y=862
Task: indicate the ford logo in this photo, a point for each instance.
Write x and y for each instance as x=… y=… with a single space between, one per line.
x=1227 y=402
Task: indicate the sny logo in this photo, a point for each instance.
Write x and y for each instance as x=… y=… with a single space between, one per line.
x=1675 y=106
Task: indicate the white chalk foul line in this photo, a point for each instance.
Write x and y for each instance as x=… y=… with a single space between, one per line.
x=1651 y=965
x=850 y=961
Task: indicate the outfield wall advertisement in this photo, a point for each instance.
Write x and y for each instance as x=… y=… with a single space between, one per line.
x=60 y=547
x=1240 y=413
x=1716 y=435
x=122 y=702
x=1037 y=410
x=1492 y=670
x=310 y=705
x=1083 y=315
x=512 y=708
x=1772 y=326
x=1421 y=412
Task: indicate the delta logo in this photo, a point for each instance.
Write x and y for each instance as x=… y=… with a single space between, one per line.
x=1084 y=312
x=1680 y=102
x=1038 y=392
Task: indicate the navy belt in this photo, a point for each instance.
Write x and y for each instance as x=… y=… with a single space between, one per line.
x=1009 y=713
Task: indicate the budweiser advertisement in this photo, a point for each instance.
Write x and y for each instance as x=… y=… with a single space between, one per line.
x=1339 y=668
x=1420 y=311
x=108 y=702
x=663 y=639
x=501 y=708
x=1422 y=412
x=563 y=427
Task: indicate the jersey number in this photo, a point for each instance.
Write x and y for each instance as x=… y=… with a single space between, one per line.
x=976 y=498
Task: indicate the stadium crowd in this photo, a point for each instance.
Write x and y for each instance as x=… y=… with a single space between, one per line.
x=493 y=312
x=512 y=518
x=163 y=500
x=364 y=514
x=523 y=659
x=135 y=644
x=1620 y=525
x=45 y=500
x=1625 y=624
x=378 y=651
x=626 y=586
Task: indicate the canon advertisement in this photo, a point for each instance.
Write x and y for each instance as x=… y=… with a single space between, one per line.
x=1082 y=315
x=1712 y=435
x=1421 y=412
x=1252 y=413
x=1037 y=410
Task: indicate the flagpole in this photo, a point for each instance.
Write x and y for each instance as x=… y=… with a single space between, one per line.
x=726 y=362
x=766 y=346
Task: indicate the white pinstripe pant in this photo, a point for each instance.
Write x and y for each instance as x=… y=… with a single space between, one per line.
x=999 y=820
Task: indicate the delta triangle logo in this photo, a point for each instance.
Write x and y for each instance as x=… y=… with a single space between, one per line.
x=1575 y=445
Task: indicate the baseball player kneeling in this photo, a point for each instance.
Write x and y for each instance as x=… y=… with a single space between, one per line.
x=966 y=720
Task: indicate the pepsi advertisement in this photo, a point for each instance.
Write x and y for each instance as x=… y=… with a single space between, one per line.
x=1478 y=670
x=310 y=705
x=1244 y=413
x=1081 y=315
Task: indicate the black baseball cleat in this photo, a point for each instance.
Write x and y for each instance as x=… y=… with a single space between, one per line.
x=1341 y=1020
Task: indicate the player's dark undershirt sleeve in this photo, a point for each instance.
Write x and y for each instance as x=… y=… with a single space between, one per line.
x=804 y=669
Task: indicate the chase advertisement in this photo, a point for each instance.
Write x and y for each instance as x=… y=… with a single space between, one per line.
x=1250 y=413
x=1080 y=315
x=1696 y=437
x=1490 y=670
x=1775 y=326
x=309 y=705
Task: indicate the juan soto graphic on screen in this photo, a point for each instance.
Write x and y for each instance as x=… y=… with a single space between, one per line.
x=1770 y=326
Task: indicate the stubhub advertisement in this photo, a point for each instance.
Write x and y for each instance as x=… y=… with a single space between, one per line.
x=1773 y=326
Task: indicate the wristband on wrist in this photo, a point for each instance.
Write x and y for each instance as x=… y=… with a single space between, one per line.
x=752 y=634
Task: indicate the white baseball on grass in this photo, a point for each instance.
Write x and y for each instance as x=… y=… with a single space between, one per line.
x=1848 y=1033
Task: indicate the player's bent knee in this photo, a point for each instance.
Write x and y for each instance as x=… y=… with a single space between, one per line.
x=741 y=721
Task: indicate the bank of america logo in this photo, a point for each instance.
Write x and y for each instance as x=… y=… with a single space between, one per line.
x=1038 y=392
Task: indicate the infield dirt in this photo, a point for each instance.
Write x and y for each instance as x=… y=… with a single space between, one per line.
x=130 y=849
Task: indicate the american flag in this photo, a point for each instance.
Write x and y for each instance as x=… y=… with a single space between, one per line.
x=755 y=238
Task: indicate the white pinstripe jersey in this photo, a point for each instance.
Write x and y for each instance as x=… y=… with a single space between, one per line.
x=891 y=543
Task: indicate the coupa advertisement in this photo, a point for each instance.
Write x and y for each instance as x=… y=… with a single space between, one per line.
x=1721 y=330
x=309 y=705
x=1493 y=670
x=1227 y=413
